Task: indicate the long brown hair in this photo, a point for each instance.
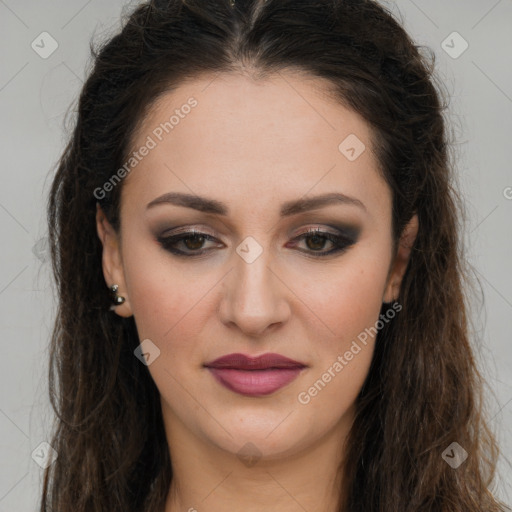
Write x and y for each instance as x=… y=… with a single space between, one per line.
x=423 y=391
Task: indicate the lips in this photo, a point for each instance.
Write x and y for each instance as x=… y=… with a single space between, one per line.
x=255 y=376
x=263 y=362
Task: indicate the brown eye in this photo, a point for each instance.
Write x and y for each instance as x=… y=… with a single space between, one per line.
x=197 y=242
x=316 y=242
x=192 y=241
x=316 y=239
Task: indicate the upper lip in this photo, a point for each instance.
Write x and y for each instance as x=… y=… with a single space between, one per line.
x=243 y=362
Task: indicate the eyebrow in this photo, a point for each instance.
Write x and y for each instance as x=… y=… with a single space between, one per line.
x=288 y=208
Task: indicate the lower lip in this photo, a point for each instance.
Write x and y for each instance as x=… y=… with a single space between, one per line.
x=255 y=382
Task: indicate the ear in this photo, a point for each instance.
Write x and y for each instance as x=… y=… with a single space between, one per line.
x=112 y=261
x=401 y=260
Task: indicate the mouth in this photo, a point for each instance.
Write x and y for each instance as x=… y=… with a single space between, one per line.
x=259 y=376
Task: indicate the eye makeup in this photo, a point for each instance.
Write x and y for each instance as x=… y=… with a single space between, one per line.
x=189 y=242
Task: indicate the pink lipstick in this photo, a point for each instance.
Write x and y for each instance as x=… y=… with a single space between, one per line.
x=254 y=376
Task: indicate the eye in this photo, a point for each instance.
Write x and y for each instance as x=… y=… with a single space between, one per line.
x=316 y=240
x=190 y=240
x=192 y=243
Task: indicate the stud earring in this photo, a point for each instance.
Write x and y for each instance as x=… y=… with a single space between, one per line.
x=117 y=300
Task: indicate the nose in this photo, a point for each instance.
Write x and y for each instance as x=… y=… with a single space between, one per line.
x=254 y=297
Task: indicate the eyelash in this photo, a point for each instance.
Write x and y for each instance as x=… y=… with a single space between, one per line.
x=341 y=243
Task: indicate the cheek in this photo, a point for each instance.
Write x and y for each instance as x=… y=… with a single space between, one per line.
x=348 y=303
x=348 y=298
x=169 y=304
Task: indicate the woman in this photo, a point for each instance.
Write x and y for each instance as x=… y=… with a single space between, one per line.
x=255 y=237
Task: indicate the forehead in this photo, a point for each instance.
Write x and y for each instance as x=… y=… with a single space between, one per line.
x=284 y=136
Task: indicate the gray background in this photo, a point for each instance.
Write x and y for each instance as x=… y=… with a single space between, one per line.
x=36 y=94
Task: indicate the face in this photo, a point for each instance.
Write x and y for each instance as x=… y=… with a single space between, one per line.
x=268 y=268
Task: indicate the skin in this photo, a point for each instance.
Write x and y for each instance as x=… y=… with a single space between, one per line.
x=254 y=145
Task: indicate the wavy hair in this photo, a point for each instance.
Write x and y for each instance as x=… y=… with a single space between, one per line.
x=423 y=390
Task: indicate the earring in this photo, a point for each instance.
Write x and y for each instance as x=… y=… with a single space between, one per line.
x=117 y=300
